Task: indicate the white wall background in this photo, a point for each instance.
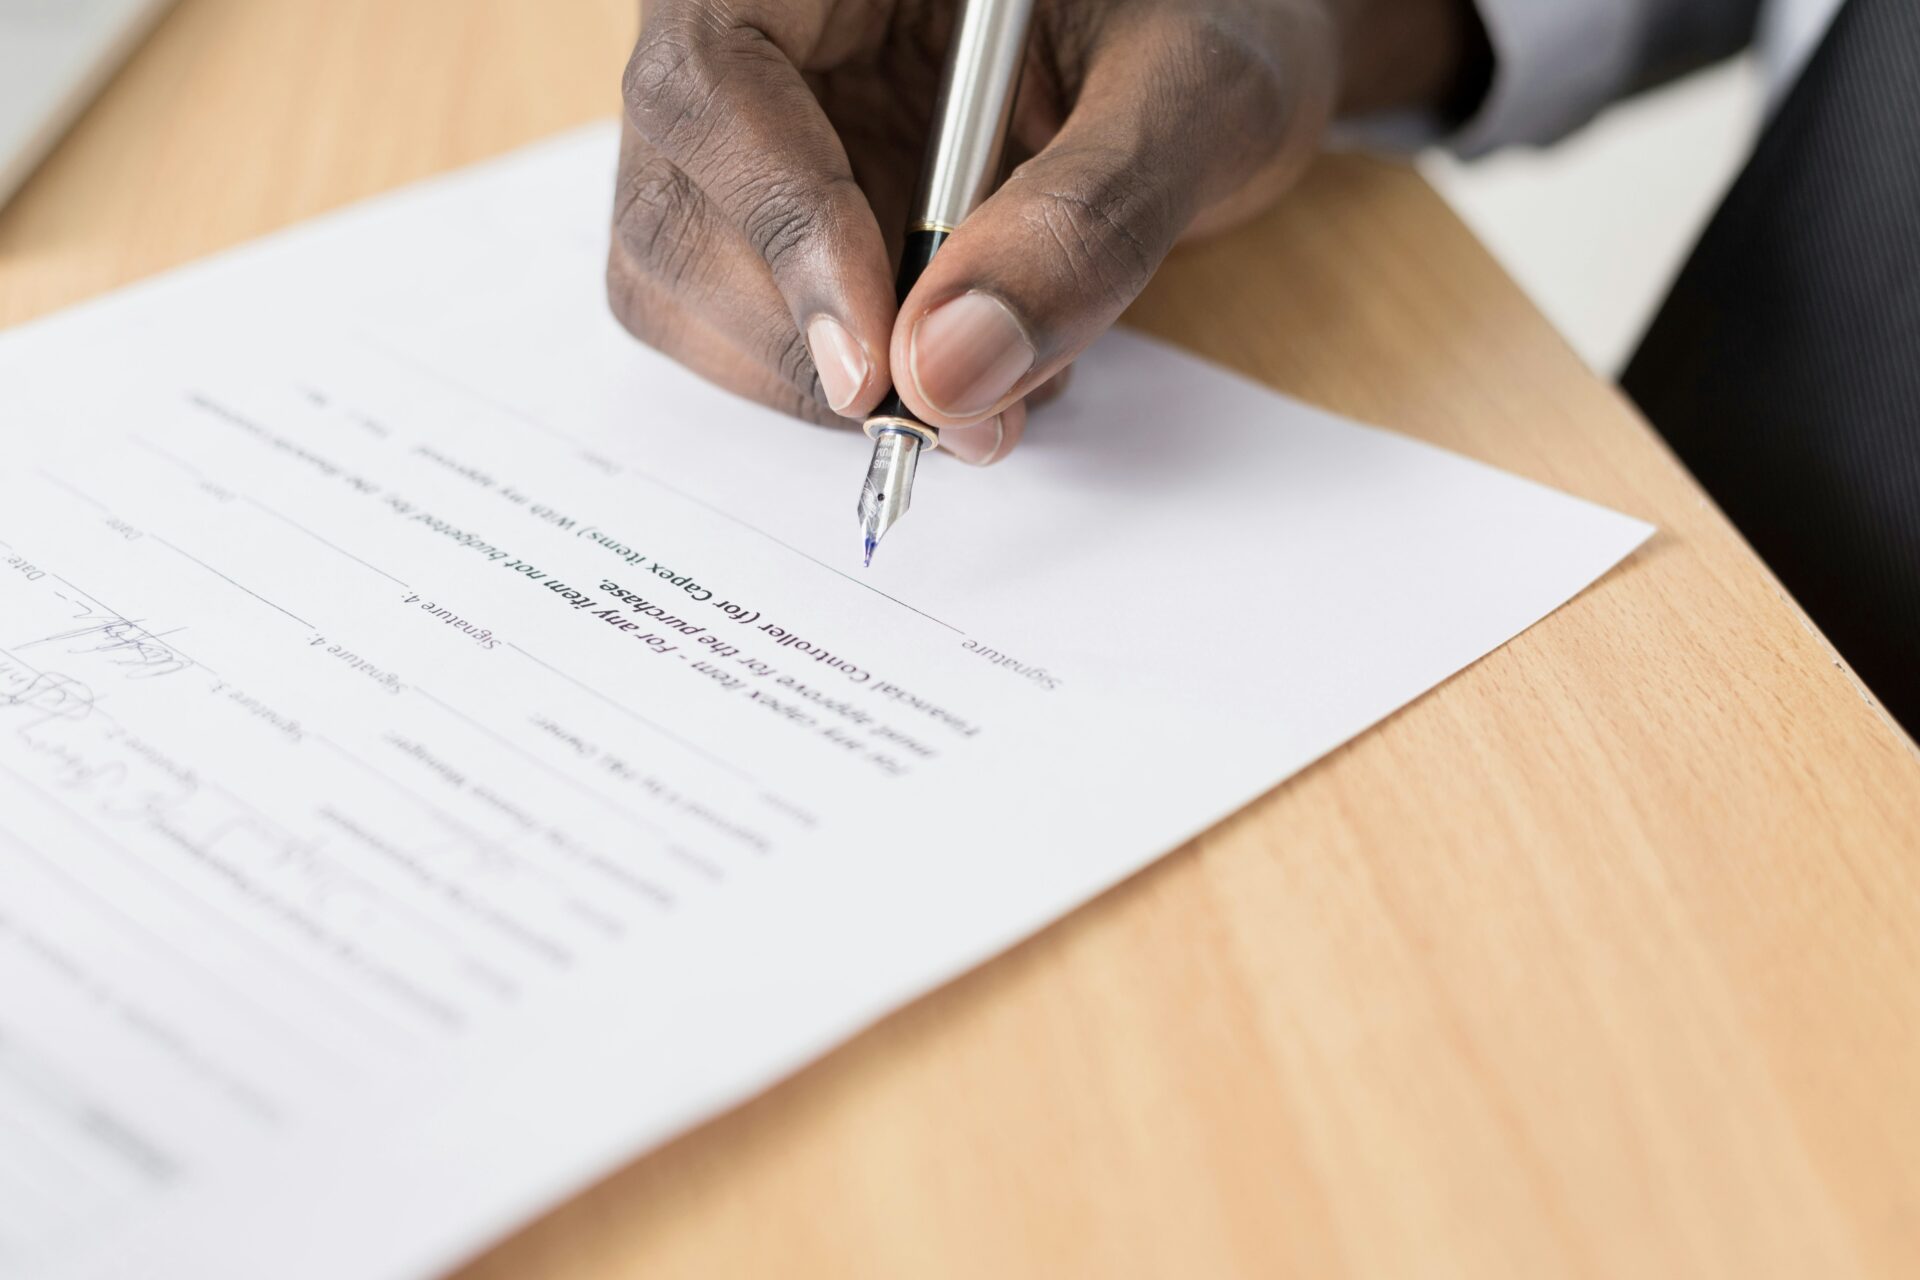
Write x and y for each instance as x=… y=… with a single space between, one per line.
x=1596 y=228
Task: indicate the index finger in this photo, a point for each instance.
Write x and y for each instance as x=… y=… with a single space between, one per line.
x=716 y=89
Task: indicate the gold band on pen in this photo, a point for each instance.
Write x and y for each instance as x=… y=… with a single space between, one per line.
x=928 y=436
x=941 y=227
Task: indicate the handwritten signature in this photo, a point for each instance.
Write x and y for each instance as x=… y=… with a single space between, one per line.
x=85 y=753
x=124 y=642
x=53 y=695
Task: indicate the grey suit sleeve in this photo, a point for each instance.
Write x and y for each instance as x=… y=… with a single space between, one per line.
x=1558 y=62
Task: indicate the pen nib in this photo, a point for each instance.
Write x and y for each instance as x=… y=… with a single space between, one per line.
x=889 y=486
x=872 y=542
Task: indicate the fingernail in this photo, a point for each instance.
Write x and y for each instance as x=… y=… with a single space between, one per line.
x=841 y=363
x=968 y=353
x=978 y=444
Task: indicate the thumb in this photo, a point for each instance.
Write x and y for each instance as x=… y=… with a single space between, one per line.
x=1175 y=115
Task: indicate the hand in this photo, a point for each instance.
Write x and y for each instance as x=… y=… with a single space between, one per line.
x=772 y=147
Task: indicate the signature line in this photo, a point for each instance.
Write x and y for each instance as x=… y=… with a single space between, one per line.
x=229 y=581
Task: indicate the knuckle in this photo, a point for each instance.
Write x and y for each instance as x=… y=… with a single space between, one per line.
x=786 y=215
x=657 y=213
x=671 y=80
x=682 y=83
x=1110 y=228
x=778 y=223
x=794 y=359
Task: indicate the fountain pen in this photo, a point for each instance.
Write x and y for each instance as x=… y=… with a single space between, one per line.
x=970 y=118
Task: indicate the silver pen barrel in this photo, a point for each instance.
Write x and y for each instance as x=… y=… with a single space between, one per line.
x=971 y=116
x=985 y=59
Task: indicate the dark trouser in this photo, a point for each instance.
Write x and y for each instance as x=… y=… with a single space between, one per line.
x=1785 y=368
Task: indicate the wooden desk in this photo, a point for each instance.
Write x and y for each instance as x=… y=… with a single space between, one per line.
x=1602 y=959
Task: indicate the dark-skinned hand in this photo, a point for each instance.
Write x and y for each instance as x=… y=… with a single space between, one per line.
x=772 y=147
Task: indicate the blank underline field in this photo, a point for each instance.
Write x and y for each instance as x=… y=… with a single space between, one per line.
x=200 y=475
x=236 y=585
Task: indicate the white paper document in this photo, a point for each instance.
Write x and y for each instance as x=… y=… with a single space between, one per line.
x=427 y=779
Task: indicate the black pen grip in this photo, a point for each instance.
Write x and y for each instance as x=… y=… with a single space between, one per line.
x=919 y=250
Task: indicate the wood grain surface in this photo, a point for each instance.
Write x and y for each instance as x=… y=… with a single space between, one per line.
x=1603 y=959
